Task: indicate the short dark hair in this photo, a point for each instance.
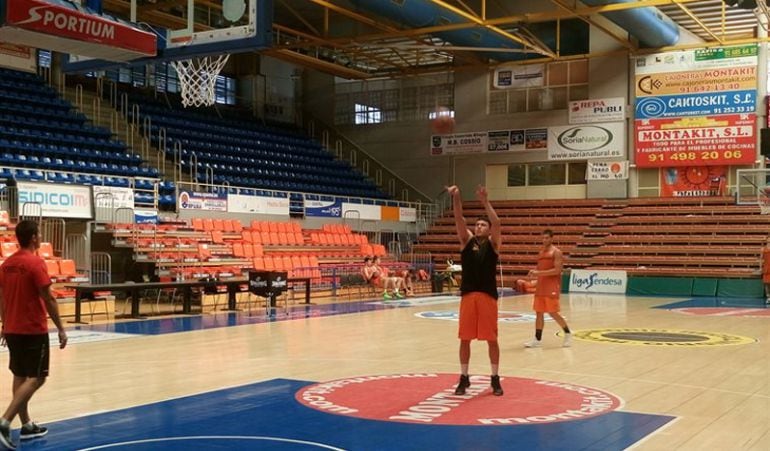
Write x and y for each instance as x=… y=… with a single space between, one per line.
x=548 y=232
x=25 y=230
x=366 y=259
x=485 y=219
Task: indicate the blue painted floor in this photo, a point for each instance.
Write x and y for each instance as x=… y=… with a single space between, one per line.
x=717 y=302
x=265 y=416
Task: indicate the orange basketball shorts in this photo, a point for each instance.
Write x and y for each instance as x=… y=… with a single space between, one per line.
x=478 y=317
x=546 y=304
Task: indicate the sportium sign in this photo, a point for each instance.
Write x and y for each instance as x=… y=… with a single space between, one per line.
x=581 y=142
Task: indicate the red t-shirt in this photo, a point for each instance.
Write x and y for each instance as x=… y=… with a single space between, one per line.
x=22 y=276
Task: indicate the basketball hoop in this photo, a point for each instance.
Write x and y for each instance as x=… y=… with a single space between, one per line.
x=763 y=199
x=198 y=78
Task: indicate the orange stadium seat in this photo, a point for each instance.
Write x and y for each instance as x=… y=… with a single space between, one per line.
x=268 y=263
x=236 y=225
x=247 y=236
x=248 y=251
x=265 y=238
x=9 y=248
x=46 y=251
x=274 y=239
x=258 y=250
x=208 y=225
x=272 y=227
x=197 y=224
x=219 y=224
x=216 y=237
x=256 y=237
x=53 y=268
x=299 y=238
x=238 y=250
x=258 y=263
x=227 y=226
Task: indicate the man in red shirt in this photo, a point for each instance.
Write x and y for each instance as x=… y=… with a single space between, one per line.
x=25 y=303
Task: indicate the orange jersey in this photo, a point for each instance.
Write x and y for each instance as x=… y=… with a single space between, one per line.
x=547 y=285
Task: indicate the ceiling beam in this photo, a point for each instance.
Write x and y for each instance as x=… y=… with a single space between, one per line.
x=692 y=16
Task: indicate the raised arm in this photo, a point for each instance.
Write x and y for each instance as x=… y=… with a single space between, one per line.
x=463 y=234
x=496 y=233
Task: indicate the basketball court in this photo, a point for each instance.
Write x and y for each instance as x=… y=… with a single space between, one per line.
x=364 y=375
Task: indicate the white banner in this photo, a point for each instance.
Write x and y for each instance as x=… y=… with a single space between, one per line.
x=597 y=110
x=238 y=203
x=365 y=212
x=607 y=170
x=583 y=142
x=690 y=60
x=531 y=76
x=587 y=281
x=191 y=200
x=18 y=57
x=113 y=197
x=475 y=142
x=407 y=214
x=56 y=201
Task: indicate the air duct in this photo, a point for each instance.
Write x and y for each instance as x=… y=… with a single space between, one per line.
x=651 y=27
x=648 y=25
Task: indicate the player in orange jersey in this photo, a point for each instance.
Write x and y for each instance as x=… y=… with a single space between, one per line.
x=478 y=305
x=548 y=273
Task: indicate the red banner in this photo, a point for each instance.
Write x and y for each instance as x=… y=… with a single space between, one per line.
x=61 y=21
x=693 y=181
x=696 y=141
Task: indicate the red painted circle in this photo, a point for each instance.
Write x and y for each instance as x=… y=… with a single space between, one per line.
x=428 y=398
x=724 y=311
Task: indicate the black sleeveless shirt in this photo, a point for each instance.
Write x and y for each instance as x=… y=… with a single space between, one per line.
x=479 y=262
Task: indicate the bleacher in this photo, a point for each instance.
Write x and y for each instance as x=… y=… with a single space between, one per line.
x=63 y=271
x=224 y=248
x=696 y=237
x=243 y=153
x=43 y=138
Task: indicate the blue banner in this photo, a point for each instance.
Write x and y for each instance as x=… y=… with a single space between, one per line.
x=323 y=208
x=146 y=216
x=704 y=104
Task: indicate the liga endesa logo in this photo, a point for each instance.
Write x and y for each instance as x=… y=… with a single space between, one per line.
x=428 y=398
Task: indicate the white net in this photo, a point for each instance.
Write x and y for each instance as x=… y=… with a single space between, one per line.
x=198 y=79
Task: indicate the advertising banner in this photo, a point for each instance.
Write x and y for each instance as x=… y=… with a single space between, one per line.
x=708 y=80
x=588 y=281
x=364 y=212
x=704 y=104
x=531 y=76
x=693 y=181
x=238 y=203
x=68 y=23
x=56 y=201
x=146 y=216
x=607 y=170
x=474 y=142
x=693 y=60
x=581 y=142
x=323 y=208
x=704 y=141
x=190 y=200
x=597 y=110
x=113 y=197
x=407 y=214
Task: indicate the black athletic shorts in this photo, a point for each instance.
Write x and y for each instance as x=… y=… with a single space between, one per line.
x=29 y=354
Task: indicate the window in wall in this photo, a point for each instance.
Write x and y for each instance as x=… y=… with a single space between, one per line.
x=435 y=114
x=367 y=114
x=577 y=173
x=517 y=175
x=224 y=90
x=564 y=81
x=547 y=174
x=44 y=58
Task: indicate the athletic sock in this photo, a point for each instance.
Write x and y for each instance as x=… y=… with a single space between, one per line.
x=538 y=334
x=464 y=369
x=495 y=369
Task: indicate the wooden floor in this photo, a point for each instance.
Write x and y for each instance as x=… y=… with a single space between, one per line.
x=719 y=394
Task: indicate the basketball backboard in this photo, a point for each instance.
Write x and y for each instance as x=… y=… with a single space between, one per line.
x=190 y=28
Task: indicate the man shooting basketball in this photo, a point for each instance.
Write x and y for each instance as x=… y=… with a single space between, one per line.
x=478 y=306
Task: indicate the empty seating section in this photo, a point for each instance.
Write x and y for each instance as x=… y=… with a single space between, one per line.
x=242 y=153
x=62 y=271
x=708 y=237
x=222 y=248
x=40 y=132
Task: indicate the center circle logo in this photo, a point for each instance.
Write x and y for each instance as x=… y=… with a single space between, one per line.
x=502 y=316
x=428 y=398
x=662 y=337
